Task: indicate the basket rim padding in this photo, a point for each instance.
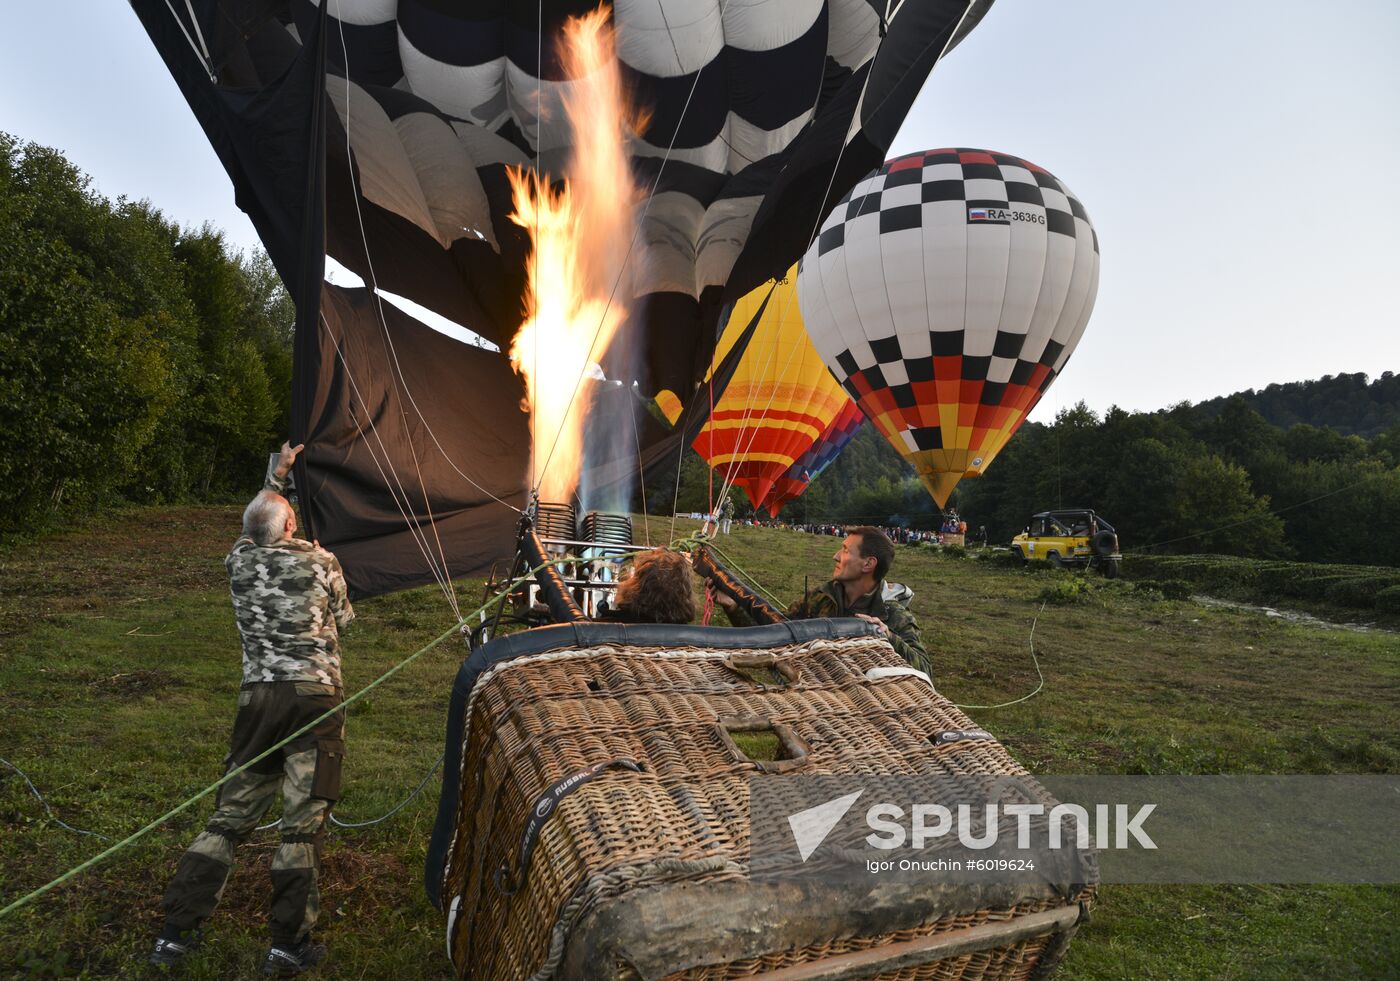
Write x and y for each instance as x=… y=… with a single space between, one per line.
x=683 y=925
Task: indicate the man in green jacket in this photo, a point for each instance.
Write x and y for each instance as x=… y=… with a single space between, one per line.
x=856 y=589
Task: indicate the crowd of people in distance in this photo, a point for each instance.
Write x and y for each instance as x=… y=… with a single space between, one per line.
x=898 y=535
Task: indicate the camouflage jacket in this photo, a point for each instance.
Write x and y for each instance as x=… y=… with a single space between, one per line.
x=830 y=601
x=290 y=601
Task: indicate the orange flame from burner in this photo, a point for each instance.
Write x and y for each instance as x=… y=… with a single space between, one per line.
x=581 y=235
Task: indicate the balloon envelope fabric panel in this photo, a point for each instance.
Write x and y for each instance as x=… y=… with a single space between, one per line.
x=434 y=100
x=946 y=292
x=810 y=465
x=779 y=401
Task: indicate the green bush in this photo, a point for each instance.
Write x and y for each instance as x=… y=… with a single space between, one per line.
x=1067 y=590
x=1172 y=589
x=1257 y=581
x=1388 y=600
x=953 y=552
x=138 y=360
x=1358 y=593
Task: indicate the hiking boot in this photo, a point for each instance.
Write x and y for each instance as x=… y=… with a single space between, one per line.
x=285 y=960
x=172 y=951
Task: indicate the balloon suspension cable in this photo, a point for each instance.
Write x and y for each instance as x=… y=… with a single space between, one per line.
x=631 y=245
x=404 y=509
x=379 y=303
x=728 y=482
x=201 y=50
x=536 y=475
x=641 y=472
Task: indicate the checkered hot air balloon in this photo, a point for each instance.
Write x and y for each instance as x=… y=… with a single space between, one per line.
x=946 y=292
x=779 y=401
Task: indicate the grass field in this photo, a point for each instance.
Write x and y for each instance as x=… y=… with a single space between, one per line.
x=119 y=667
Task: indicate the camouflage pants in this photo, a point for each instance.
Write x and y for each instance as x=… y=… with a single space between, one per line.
x=308 y=771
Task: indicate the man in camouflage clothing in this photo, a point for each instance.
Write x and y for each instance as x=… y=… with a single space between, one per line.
x=290 y=601
x=856 y=589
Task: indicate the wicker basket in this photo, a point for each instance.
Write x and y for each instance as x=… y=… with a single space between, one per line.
x=640 y=872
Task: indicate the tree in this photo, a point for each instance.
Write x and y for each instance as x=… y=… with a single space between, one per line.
x=85 y=371
x=136 y=360
x=1214 y=505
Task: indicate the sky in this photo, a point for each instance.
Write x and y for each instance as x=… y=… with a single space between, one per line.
x=1235 y=156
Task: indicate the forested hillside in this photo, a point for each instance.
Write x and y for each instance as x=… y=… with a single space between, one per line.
x=1187 y=479
x=1350 y=404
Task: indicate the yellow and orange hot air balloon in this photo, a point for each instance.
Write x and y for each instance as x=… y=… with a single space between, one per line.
x=780 y=400
x=822 y=454
x=946 y=292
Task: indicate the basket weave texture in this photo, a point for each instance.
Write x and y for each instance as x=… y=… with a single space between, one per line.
x=683 y=823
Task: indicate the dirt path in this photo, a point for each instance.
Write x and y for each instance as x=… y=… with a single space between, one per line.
x=1294 y=616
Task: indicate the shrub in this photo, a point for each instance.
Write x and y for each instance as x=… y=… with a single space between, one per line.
x=1172 y=589
x=1358 y=593
x=1067 y=590
x=1388 y=600
x=953 y=552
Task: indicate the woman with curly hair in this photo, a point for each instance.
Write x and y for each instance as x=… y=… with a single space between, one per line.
x=658 y=589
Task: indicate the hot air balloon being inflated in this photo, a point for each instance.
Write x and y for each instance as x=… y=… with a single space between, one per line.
x=400 y=172
x=946 y=292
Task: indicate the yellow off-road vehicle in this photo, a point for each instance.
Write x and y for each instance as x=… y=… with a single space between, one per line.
x=1070 y=538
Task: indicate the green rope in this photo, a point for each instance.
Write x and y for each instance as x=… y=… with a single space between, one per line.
x=107 y=853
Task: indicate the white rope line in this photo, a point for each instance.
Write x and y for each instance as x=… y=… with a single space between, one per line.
x=680 y=458
x=450 y=589
x=1034 y=660
x=836 y=166
x=816 y=225
x=203 y=58
x=410 y=522
x=208 y=59
x=444 y=577
x=889 y=20
x=622 y=268
x=535 y=251
x=418 y=537
x=641 y=475
x=728 y=482
x=748 y=406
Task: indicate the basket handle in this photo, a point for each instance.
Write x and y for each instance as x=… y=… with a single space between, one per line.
x=739 y=661
x=794 y=746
